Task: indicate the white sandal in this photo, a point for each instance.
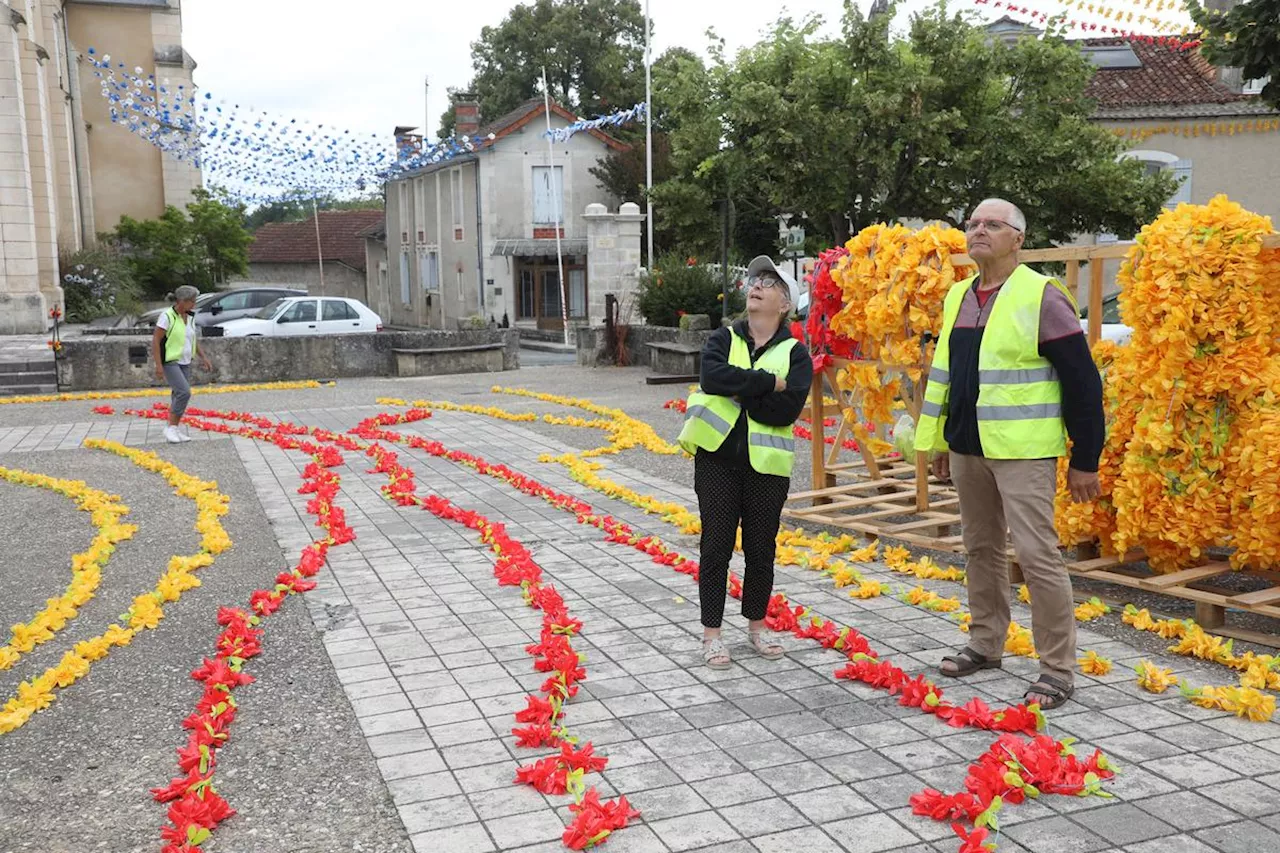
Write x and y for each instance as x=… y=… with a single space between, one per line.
x=766 y=650
x=715 y=654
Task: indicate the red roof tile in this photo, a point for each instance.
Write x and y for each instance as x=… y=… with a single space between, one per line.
x=1168 y=76
x=295 y=242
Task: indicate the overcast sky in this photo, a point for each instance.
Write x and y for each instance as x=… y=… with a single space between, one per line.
x=361 y=65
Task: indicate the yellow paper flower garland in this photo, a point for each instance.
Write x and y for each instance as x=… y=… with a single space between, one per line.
x=161 y=392
x=147 y=610
x=86 y=567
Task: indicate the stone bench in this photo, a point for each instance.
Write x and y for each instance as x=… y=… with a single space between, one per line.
x=437 y=361
x=675 y=359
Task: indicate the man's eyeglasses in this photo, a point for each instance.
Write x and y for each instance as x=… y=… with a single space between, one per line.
x=993 y=226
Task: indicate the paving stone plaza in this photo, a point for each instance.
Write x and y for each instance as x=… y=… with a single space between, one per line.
x=396 y=689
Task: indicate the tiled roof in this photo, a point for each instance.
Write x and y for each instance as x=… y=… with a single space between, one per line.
x=1168 y=77
x=295 y=242
x=533 y=109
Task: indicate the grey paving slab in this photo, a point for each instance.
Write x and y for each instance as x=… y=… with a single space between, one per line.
x=766 y=756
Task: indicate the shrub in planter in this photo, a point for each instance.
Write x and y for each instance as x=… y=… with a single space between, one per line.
x=97 y=282
x=677 y=287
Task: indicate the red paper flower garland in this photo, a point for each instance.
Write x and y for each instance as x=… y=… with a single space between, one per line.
x=197 y=808
x=553 y=654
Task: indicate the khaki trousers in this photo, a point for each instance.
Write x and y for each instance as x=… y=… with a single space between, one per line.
x=1015 y=495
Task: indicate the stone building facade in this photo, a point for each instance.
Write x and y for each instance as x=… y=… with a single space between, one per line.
x=67 y=173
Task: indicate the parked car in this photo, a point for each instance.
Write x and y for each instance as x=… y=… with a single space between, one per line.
x=306 y=315
x=217 y=307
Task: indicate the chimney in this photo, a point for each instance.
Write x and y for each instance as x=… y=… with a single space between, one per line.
x=408 y=143
x=466 y=114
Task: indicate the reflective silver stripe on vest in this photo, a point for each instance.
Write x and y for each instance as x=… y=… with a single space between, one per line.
x=931 y=409
x=937 y=374
x=708 y=417
x=1018 y=377
x=1019 y=413
x=778 y=442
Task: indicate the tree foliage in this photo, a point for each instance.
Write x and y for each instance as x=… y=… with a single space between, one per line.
x=1246 y=37
x=202 y=246
x=299 y=207
x=864 y=128
x=593 y=51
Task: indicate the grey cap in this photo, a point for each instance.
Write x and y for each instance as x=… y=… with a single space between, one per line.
x=763 y=263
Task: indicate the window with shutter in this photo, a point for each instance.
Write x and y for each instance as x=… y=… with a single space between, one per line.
x=548 y=195
x=405 y=295
x=1181 y=170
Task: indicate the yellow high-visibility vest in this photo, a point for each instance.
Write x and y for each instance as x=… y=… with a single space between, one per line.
x=1019 y=404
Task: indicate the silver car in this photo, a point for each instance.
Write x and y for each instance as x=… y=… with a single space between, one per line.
x=218 y=307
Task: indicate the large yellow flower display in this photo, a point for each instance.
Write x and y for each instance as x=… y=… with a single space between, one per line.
x=1192 y=399
x=893 y=281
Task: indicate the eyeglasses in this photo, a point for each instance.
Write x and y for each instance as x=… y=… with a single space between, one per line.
x=769 y=281
x=993 y=226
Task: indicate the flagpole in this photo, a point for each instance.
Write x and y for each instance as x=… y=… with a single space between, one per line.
x=315 y=210
x=648 y=132
x=558 y=200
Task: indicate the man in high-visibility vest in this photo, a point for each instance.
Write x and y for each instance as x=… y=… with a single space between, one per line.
x=1012 y=378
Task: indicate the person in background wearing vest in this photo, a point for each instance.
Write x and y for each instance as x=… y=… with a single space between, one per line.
x=755 y=379
x=1011 y=379
x=174 y=344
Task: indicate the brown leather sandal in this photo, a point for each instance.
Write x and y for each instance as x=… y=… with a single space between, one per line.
x=967 y=662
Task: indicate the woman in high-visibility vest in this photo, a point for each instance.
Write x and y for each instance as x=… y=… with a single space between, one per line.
x=174 y=344
x=755 y=379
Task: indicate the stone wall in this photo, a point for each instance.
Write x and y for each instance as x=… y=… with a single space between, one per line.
x=591 y=342
x=112 y=363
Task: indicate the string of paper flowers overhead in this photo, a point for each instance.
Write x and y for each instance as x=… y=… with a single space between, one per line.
x=1111 y=14
x=259 y=157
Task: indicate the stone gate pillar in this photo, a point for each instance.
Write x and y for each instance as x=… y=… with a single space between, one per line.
x=613 y=256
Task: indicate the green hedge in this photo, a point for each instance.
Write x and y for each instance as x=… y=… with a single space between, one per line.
x=679 y=286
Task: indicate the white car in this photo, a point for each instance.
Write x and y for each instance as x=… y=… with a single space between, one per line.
x=306 y=315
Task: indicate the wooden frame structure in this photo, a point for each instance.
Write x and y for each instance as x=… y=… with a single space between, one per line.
x=896 y=498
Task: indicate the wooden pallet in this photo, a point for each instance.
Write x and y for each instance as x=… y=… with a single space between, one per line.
x=1195 y=585
x=884 y=507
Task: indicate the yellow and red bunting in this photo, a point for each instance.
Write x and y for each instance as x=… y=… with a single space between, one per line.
x=1091 y=27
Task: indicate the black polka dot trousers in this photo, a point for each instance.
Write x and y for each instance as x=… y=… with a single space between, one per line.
x=729 y=494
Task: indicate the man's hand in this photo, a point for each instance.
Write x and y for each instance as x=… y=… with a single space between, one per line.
x=1083 y=485
x=206 y=364
x=159 y=371
x=779 y=383
x=942 y=467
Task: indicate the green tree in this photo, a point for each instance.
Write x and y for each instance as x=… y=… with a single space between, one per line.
x=298 y=207
x=593 y=51
x=1246 y=37
x=862 y=128
x=201 y=247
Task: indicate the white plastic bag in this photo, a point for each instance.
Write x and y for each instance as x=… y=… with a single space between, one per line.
x=904 y=437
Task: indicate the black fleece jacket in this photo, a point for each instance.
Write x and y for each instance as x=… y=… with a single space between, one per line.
x=754 y=388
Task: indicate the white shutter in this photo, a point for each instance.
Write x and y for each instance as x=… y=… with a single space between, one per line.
x=1181 y=170
x=405 y=298
x=547 y=195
